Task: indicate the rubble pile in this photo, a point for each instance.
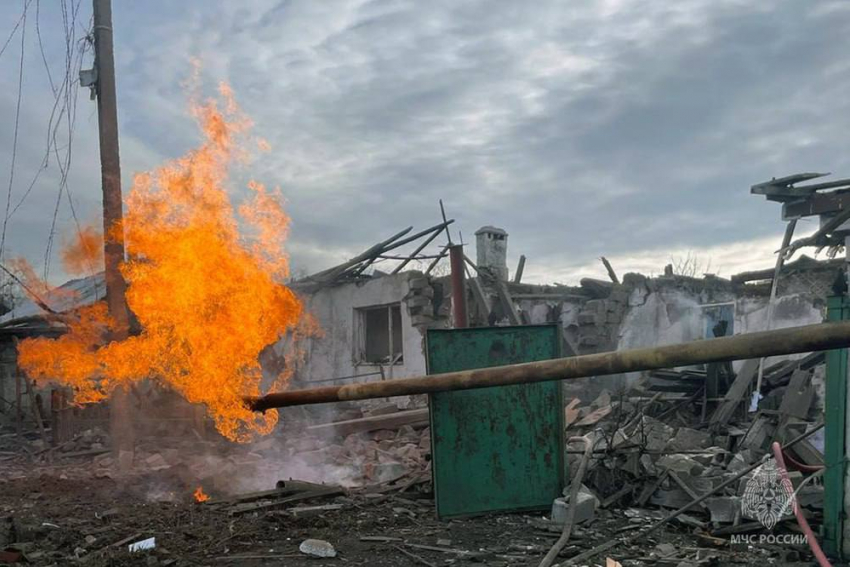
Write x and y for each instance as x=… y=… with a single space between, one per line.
x=666 y=442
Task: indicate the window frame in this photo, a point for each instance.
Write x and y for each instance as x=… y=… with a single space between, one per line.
x=361 y=335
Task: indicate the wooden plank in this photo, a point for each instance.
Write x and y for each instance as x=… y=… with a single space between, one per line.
x=415 y=557
x=19 y=410
x=783 y=185
x=368 y=256
x=808 y=454
x=649 y=490
x=617 y=496
x=480 y=298
x=419 y=248
x=519 y=269
x=36 y=412
x=433 y=264
x=571 y=412
x=284 y=488
x=817 y=204
x=611 y=273
x=594 y=417
x=281 y=502
x=798 y=396
x=472 y=265
x=684 y=486
x=373 y=423
x=508 y=303
x=737 y=392
x=551 y=296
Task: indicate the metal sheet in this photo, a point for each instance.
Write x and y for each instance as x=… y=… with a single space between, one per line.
x=501 y=448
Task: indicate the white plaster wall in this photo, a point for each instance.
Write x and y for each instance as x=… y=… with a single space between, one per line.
x=671 y=316
x=789 y=311
x=661 y=318
x=332 y=355
x=539 y=311
x=668 y=317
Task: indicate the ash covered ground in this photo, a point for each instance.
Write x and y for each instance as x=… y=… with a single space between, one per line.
x=368 y=494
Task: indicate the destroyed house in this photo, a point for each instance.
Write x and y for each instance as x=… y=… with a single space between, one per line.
x=659 y=439
x=373 y=325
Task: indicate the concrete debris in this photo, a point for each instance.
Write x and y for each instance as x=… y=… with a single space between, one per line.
x=308 y=511
x=664 y=444
x=585 y=509
x=680 y=463
x=143 y=545
x=317 y=548
x=687 y=439
x=386 y=421
x=724 y=509
x=587 y=504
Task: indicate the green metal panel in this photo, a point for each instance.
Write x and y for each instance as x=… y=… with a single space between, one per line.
x=500 y=448
x=838 y=309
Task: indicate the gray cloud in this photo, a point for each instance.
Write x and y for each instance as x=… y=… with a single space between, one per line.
x=626 y=128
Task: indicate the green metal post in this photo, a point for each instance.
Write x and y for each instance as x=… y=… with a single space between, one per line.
x=838 y=309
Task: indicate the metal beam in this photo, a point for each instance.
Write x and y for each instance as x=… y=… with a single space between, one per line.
x=823 y=336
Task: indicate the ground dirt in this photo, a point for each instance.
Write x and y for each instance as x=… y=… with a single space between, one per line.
x=60 y=521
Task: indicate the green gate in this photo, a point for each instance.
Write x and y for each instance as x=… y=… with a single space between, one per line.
x=500 y=448
x=838 y=309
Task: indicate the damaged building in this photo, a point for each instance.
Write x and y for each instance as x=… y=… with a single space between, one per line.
x=637 y=463
x=374 y=327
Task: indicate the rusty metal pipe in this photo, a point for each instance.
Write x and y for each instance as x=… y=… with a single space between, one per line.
x=459 y=312
x=809 y=338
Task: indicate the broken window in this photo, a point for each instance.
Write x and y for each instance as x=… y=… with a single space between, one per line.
x=380 y=335
x=719 y=320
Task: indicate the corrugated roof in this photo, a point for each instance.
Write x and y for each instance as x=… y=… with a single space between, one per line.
x=67 y=297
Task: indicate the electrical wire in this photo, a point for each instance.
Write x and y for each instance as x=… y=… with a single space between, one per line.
x=69 y=90
x=60 y=125
x=15 y=135
x=41 y=46
x=15 y=29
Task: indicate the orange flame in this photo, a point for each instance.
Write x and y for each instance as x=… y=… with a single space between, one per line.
x=37 y=288
x=84 y=255
x=207 y=297
x=200 y=495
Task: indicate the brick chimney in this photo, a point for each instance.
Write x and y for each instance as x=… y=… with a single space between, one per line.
x=492 y=250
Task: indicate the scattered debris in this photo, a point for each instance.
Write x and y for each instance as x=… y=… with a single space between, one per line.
x=143 y=545
x=657 y=458
x=317 y=548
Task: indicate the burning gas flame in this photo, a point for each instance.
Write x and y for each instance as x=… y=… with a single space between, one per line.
x=34 y=285
x=200 y=495
x=206 y=295
x=84 y=254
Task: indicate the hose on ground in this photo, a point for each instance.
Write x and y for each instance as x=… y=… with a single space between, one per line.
x=575 y=486
x=801 y=519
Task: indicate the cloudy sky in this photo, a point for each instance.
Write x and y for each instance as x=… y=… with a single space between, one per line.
x=625 y=128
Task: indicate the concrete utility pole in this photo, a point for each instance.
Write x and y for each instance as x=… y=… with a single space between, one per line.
x=113 y=214
x=110 y=165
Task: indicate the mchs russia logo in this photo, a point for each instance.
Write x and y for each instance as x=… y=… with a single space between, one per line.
x=768 y=496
